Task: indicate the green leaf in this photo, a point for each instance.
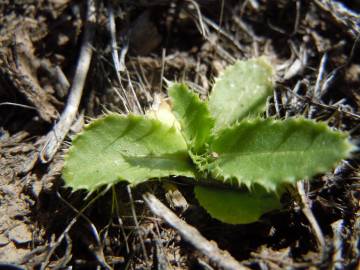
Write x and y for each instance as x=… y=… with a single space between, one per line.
x=193 y=115
x=241 y=91
x=131 y=148
x=272 y=152
x=236 y=206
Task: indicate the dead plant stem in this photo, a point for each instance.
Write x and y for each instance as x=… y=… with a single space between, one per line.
x=219 y=257
x=56 y=136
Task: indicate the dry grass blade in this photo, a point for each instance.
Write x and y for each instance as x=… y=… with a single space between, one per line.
x=219 y=257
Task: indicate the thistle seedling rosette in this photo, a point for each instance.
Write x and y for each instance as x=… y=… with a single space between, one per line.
x=223 y=140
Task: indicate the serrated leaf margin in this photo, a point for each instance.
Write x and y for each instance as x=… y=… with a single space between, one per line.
x=208 y=162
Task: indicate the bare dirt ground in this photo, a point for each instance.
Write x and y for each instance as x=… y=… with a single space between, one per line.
x=312 y=43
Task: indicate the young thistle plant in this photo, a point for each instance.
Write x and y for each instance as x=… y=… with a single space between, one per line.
x=222 y=139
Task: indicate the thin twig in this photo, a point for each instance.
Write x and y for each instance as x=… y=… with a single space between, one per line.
x=203 y=31
x=225 y=34
x=325 y=106
x=17 y=105
x=55 y=245
x=246 y=28
x=35 y=252
x=306 y=209
x=221 y=258
x=115 y=204
x=62 y=263
x=135 y=107
x=98 y=250
x=137 y=224
x=56 y=136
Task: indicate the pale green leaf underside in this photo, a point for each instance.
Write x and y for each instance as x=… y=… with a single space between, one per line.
x=193 y=115
x=131 y=148
x=272 y=152
x=236 y=206
x=241 y=91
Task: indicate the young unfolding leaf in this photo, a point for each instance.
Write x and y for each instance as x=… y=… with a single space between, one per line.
x=131 y=148
x=241 y=91
x=273 y=152
x=193 y=114
x=162 y=112
x=236 y=206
